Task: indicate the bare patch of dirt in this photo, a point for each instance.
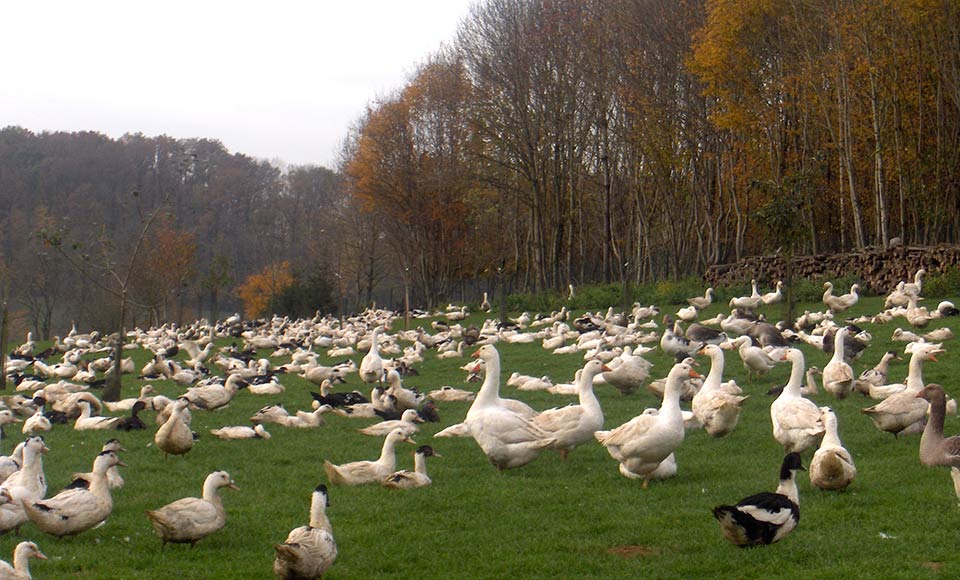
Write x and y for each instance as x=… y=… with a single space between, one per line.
x=633 y=551
x=934 y=566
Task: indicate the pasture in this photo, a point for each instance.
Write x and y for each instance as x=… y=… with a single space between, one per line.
x=577 y=518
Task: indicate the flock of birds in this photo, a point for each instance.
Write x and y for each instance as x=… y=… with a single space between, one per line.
x=509 y=432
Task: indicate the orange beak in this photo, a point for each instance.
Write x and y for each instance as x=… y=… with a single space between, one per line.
x=475 y=354
x=604 y=369
x=695 y=375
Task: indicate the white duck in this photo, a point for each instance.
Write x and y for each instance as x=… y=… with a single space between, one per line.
x=21 y=562
x=627 y=372
x=113 y=474
x=838 y=375
x=832 y=465
x=775 y=296
x=362 y=472
x=10 y=464
x=87 y=421
x=240 y=432
x=702 y=302
x=574 y=425
x=796 y=421
x=26 y=485
x=642 y=443
x=190 y=519
x=502 y=427
x=371 y=367
x=753 y=301
x=756 y=361
x=902 y=410
x=174 y=437
x=407 y=424
x=406 y=479
x=840 y=303
x=717 y=410
x=877 y=375
x=308 y=550
x=76 y=510
x=36 y=423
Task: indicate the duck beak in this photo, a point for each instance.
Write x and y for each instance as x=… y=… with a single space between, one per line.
x=933 y=358
x=695 y=375
x=476 y=354
x=605 y=369
x=232 y=485
x=40 y=556
x=410 y=441
x=121 y=464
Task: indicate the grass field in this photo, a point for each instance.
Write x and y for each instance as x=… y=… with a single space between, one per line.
x=551 y=519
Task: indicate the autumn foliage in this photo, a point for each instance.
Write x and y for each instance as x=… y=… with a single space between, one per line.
x=257 y=290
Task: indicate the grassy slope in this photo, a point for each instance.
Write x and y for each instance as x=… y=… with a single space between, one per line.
x=572 y=519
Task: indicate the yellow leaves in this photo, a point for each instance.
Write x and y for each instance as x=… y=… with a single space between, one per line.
x=257 y=290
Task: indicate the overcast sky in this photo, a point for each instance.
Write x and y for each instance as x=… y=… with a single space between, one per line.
x=275 y=79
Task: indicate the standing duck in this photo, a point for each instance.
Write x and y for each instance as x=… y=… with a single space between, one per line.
x=838 y=375
x=21 y=562
x=575 y=424
x=26 y=485
x=503 y=427
x=756 y=361
x=114 y=479
x=796 y=421
x=190 y=519
x=832 y=466
x=902 y=411
x=642 y=443
x=406 y=479
x=362 y=472
x=934 y=448
x=76 y=510
x=308 y=550
x=764 y=518
x=371 y=366
x=717 y=410
x=174 y=437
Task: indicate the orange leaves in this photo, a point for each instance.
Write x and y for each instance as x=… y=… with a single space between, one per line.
x=257 y=290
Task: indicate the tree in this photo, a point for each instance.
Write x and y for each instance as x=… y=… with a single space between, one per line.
x=258 y=290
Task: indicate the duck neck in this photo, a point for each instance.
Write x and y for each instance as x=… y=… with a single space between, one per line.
x=811 y=382
x=831 y=437
x=388 y=456
x=670 y=407
x=211 y=493
x=318 y=512
x=932 y=436
x=588 y=399
x=420 y=463
x=21 y=560
x=796 y=377
x=99 y=485
x=915 y=374
x=788 y=487
x=715 y=376
x=489 y=392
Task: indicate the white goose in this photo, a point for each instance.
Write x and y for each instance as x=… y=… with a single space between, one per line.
x=902 y=410
x=21 y=562
x=838 y=375
x=232 y=432
x=371 y=367
x=502 y=427
x=575 y=424
x=308 y=550
x=840 y=303
x=362 y=472
x=796 y=421
x=717 y=410
x=190 y=519
x=642 y=443
x=756 y=361
x=832 y=465
x=628 y=371
x=753 y=301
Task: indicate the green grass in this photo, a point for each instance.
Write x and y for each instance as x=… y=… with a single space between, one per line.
x=550 y=519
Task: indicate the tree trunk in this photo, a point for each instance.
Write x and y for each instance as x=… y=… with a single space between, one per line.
x=4 y=328
x=112 y=390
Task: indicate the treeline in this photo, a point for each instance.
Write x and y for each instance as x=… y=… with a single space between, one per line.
x=550 y=143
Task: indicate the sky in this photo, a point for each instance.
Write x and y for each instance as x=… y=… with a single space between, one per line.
x=274 y=79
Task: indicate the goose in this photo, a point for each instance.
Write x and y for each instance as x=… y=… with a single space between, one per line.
x=36 y=423
x=362 y=472
x=311 y=419
x=717 y=410
x=76 y=510
x=21 y=562
x=485 y=303
x=752 y=302
x=690 y=386
x=687 y=314
x=407 y=424
x=503 y=428
x=764 y=518
x=838 y=375
x=114 y=479
x=698 y=333
x=190 y=519
x=406 y=479
x=371 y=367
x=755 y=360
x=796 y=421
x=917 y=316
x=935 y=450
x=702 y=302
x=877 y=375
x=901 y=411
x=947 y=308
x=832 y=466
x=86 y=421
x=642 y=443
x=174 y=437
x=214 y=396
x=674 y=344
x=773 y=297
x=26 y=484
x=448 y=394
x=308 y=550
x=240 y=432
x=574 y=425
x=840 y=303
x=916 y=287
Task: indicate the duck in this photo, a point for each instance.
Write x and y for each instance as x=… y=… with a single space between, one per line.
x=902 y=335
x=832 y=466
x=363 y=472
x=838 y=375
x=174 y=437
x=163 y=405
x=26 y=484
x=840 y=303
x=371 y=366
x=642 y=443
x=901 y=411
x=190 y=519
x=915 y=288
x=407 y=423
x=796 y=421
x=574 y=425
x=21 y=562
x=147 y=392
x=406 y=398
x=938 y=335
x=627 y=372
x=702 y=302
x=674 y=344
x=215 y=396
x=755 y=360
x=240 y=432
x=308 y=550
x=76 y=510
x=133 y=422
x=503 y=428
x=86 y=421
x=406 y=479
x=773 y=297
x=716 y=409
x=114 y=479
x=448 y=394
x=36 y=423
x=752 y=302
x=327 y=396
x=10 y=464
x=6 y=418
x=485 y=303
x=935 y=450
x=877 y=375
x=687 y=313
x=766 y=517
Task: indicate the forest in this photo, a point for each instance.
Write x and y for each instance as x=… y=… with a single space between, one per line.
x=550 y=142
